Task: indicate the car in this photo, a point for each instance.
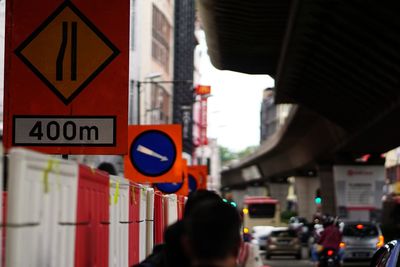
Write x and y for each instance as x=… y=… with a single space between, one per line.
x=361 y=240
x=387 y=255
x=283 y=242
x=259 y=235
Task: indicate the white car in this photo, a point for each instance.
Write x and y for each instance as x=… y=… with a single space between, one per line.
x=260 y=235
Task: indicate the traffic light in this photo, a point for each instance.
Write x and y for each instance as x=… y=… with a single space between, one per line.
x=318 y=198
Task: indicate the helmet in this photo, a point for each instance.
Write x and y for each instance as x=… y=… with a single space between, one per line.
x=327 y=220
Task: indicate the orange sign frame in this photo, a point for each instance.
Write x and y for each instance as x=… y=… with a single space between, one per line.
x=150 y=157
x=184 y=191
x=203 y=171
x=56 y=100
x=196 y=174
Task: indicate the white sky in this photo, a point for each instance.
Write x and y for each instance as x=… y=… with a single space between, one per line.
x=234 y=107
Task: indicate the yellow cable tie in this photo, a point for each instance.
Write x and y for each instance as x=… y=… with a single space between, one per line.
x=46 y=175
x=116 y=194
x=133 y=197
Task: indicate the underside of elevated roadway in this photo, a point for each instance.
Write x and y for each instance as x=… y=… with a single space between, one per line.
x=337 y=60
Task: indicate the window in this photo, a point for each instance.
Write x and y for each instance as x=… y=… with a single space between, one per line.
x=360 y=230
x=262 y=210
x=160 y=104
x=288 y=233
x=161 y=38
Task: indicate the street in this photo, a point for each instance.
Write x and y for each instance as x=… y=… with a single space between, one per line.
x=288 y=261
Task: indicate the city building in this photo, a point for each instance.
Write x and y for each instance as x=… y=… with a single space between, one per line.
x=151 y=62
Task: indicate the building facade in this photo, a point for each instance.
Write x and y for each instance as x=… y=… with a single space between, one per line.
x=151 y=61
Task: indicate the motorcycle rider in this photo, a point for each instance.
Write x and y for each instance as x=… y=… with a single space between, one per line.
x=331 y=237
x=316 y=234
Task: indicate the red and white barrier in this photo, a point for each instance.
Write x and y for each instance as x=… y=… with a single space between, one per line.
x=159 y=218
x=41 y=210
x=181 y=206
x=150 y=221
x=134 y=207
x=119 y=222
x=142 y=223
x=63 y=214
x=171 y=209
x=93 y=218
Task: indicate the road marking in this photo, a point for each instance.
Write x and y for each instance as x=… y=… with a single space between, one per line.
x=150 y=152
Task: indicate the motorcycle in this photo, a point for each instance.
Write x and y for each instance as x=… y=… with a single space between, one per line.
x=329 y=258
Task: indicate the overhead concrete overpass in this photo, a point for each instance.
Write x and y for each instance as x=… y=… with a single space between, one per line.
x=337 y=60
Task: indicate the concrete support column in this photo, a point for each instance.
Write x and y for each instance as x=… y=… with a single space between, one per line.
x=305 y=191
x=279 y=192
x=328 y=190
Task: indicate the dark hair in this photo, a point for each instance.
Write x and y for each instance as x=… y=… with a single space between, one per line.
x=200 y=197
x=213 y=230
x=107 y=167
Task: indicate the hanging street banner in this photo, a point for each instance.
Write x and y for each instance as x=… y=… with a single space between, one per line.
x=181 y=188
x=67 y=76
x=154 y=153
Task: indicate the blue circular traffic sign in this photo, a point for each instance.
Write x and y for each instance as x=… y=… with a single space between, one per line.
x=169 y=188
x=153 y=153
x=192 y=183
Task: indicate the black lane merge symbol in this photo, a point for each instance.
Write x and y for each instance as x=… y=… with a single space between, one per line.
x=63 y=47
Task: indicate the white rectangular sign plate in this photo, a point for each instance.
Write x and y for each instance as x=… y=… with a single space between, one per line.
x=64 y=131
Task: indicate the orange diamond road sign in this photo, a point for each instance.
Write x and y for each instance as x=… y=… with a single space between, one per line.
x=66 y=52
x=66 y=76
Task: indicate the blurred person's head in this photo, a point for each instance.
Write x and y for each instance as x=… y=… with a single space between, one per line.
x=213 y=234
x=175 y=236
x=200 y=197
